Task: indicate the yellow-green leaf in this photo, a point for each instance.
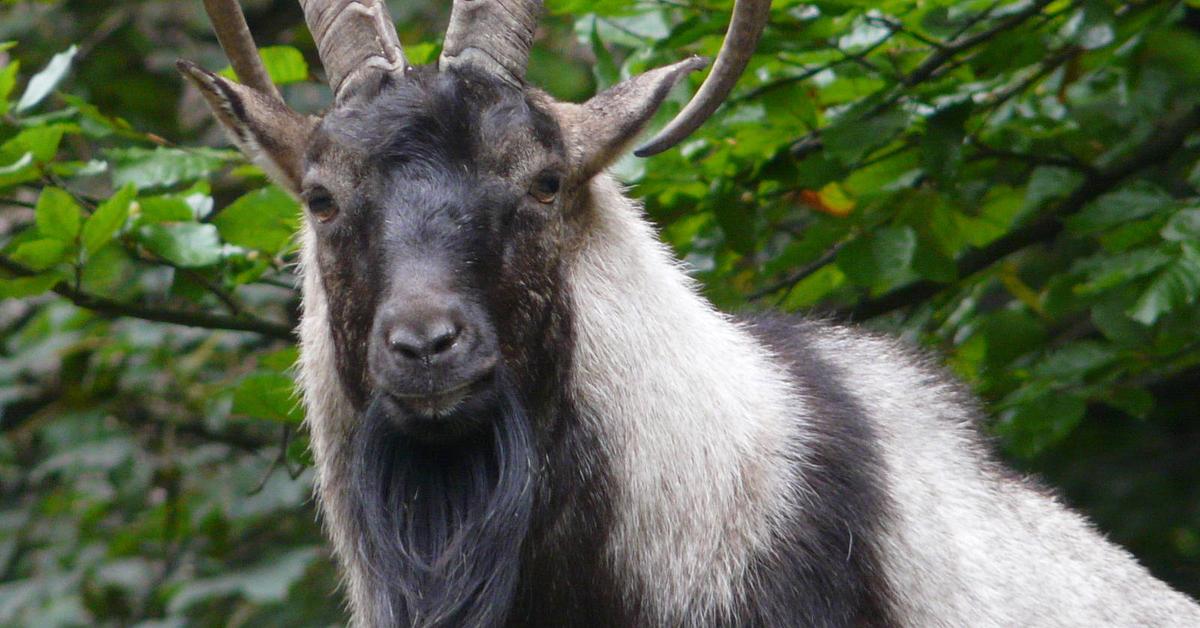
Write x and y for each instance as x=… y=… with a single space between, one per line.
x=40 y=254
x=58 y=215
x=107 y=219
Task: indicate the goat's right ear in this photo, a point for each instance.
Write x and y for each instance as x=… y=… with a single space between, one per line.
x=268 y=132
x=599 y=130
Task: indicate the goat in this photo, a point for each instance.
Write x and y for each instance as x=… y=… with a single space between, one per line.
x=523 y=413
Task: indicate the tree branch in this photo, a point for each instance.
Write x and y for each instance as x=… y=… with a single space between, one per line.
x=241 y=322
x=1157 y=149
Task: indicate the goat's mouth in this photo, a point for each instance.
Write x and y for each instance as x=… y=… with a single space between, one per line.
x=442 y=415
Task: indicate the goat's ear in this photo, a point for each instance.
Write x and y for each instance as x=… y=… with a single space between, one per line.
x=599 y=130
x=267 y=131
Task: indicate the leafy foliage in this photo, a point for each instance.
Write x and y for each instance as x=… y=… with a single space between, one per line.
x=1012 y=184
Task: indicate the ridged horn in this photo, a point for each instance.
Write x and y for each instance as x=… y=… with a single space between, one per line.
x=492 y=35
x=746 y=26
x=354 y=38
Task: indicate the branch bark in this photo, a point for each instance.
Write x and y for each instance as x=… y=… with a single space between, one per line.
x=203 y=320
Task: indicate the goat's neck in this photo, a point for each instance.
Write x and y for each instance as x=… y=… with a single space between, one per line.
x=697 y=419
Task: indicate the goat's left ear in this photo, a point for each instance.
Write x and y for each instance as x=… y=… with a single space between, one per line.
x=599 y=130
x=268 y=132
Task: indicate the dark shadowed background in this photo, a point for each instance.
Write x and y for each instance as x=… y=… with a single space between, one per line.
x=1010 y=184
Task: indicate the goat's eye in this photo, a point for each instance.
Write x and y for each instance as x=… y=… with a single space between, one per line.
x=320 y=204
x=545 y=187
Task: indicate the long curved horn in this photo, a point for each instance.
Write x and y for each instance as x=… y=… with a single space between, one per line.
x=492 y=35
x=353 y=37
x=749 y=19
x=229 y=23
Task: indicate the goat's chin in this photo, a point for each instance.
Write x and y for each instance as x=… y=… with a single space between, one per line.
x=440 y=419
x=442 y=505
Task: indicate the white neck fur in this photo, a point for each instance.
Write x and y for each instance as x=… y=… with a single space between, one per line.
x=702 y=427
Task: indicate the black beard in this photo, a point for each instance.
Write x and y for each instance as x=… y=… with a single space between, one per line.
x=442 y=523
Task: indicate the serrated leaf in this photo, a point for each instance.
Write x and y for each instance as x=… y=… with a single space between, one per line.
x=187 y=245
x=40 y=254
x=45 y=81
x=58 y=215
x=264 y=220
x=107 y=219
x=269 y=396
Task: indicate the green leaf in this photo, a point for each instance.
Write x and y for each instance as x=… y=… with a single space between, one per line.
x=1107 y=271
x=45 y=81
x=264 y=219
x=1184 y=225
x=40 y=254
x=1049 y=183
x=265 y=582
x=187 y=245
x=107 y=219
x=880 y=260
x=162 y=167
x=8 y=80
x=167 y=208
x=810 y=290
x=284 y=65
x=24 y=287
x=41 y=141
x=269 y=396
x=850 y=139
x=22 y=170
x=1033 y=425
x=58 y=215
x=942 y=142
x=1130 y=203
x=605 y=70
x=1075 y=360
x=423 y=53
x=1176 y=286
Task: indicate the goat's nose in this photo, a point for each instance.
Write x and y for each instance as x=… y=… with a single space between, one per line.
x=425 y=338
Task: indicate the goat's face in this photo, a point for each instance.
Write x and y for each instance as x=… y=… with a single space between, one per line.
x=440 y=204
x=438 y=207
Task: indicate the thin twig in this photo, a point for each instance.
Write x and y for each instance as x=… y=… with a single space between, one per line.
x=241 y=322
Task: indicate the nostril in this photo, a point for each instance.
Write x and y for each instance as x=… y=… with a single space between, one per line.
x=443 y=341
x=418 y=345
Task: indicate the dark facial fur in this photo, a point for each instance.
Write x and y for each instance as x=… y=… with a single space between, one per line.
x=431 y=180
x=443 y=525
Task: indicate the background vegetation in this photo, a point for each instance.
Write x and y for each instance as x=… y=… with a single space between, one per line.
x=1011 y=184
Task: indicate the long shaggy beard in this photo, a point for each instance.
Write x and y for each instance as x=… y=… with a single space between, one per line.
x=442 y=524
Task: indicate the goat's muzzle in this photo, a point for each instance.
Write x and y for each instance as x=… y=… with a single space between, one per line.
x=432 y=355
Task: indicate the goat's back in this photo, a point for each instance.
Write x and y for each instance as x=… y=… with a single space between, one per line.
x=964 y=541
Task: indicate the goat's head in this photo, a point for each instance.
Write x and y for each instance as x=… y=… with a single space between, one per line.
x=442 y=197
